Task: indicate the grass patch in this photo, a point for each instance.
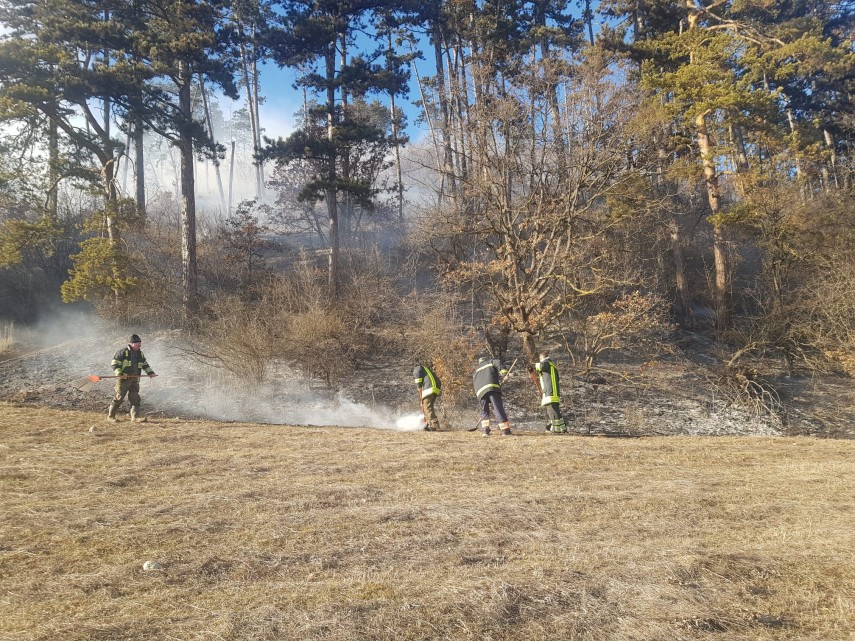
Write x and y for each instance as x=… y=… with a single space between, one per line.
x=271 y=532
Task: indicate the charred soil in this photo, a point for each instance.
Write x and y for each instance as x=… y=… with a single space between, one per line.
x=689 y=394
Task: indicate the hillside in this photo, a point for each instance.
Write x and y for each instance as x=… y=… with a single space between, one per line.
x=275 y=532
x=683 y=394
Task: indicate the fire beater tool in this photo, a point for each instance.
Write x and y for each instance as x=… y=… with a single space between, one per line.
x=85 y=384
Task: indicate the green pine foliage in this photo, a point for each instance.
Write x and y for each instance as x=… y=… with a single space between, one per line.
x=98 y=273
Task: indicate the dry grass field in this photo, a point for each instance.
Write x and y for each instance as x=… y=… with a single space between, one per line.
x=272 y=532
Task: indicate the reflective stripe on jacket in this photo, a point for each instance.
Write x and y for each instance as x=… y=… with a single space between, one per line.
x=487 y=377
x=429 y=387
x=126 y=361
x=549 y=386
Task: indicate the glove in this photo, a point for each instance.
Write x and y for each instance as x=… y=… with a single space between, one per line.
x=117 y=372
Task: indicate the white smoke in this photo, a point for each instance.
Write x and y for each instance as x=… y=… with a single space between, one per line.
x=188 y=387
x=68 y=346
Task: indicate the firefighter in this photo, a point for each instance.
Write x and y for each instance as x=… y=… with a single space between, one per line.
x=127 y=364
x=550 y=392
x=430 y=387
x=488 y=388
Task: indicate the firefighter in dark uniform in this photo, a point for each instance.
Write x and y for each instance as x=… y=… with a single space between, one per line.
x=430 y=387
x=127 y=364
x=488 y=389
x=550 y=393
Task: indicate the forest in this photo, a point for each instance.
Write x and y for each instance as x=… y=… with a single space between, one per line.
x=596 y=177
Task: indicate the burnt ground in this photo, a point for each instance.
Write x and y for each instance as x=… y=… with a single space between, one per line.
x=678 y=395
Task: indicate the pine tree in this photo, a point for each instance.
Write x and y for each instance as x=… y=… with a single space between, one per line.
x=58 y=62
x=179 y=42
x=316 y=34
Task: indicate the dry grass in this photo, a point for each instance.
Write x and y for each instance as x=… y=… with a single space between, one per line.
x=271 y=532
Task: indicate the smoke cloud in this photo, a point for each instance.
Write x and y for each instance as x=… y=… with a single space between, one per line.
x=69 y=346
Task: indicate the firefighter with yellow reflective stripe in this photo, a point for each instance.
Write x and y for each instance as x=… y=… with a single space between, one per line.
x=550 y=393
x=127 y=364
x=430 y=387
x=488 y=388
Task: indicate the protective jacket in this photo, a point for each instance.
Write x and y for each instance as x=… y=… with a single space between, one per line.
x=487 y=377
x=130 y=362
x=547 y=373
x=427 y=381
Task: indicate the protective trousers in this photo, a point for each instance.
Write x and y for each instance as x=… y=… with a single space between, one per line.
x=129 y=387
x=429 y=409
x=557 y=425
x=494 y=400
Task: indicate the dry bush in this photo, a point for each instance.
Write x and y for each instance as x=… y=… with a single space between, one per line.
x=237 y=337
x=633 y=323
x=323 y=342
x=294 y=318
x=744 y=387
x=434 y=336
x=828 y=319
x=801 y=306
x=327 y=337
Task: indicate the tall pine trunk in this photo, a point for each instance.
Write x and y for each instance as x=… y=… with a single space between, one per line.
x=210 y=124
x=346 y=217
x=53 y=170
x=330 y=191
x=442 y=93
x=393 y=110
x=249 y=79
x=721 y=289
x=139 y=163
x=189 y=271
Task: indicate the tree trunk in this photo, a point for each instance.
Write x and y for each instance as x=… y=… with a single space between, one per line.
x=740 y=154
x=829 y=142
x=189 y=273
x=210 y=124
x=346 y=217
x=721 y=292
x=551 y=87
x=685 y=314
x=53 y=170
x=463 y=114
x=139 y=162
x=529 y=348
x=447 y=163
x=231 y=178
x=330 y=192
x=455 y=111
x=252 y=111
x=259 y=167
x=588 y=16
x=399 y=186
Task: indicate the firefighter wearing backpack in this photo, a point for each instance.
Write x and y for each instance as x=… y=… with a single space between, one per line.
x=430 y=387
x=550 y=392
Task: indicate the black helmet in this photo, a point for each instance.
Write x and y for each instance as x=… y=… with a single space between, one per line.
x=135 y=339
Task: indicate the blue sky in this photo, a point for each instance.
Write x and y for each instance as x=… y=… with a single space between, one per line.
x=282 y=100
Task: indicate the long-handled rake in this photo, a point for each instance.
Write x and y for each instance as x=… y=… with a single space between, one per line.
x=85 y=384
